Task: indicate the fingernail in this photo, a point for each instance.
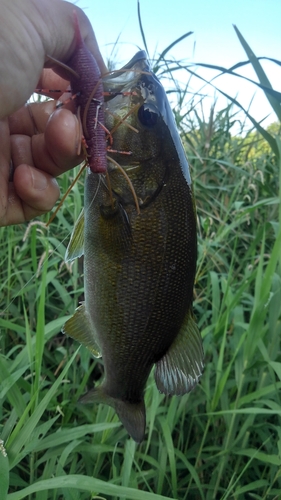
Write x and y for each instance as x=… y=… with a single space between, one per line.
x=39 y=180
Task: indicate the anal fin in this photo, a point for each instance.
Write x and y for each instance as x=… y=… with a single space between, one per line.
x=179 y=370
x=79 y=328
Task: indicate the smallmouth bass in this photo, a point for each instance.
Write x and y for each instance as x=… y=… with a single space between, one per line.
x=139 y=264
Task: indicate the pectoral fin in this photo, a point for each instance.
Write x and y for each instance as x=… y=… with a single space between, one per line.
x=180 y=369
x=79 y=328
x=117 y=223
x=76 y=245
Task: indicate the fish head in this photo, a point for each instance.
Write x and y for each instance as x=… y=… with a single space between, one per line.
x=142 y=126
x=134 y=117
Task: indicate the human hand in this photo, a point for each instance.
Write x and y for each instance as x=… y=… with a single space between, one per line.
x=39 y=141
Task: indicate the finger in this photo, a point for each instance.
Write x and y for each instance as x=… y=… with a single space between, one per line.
x=5 y=156
x=31 y=118
x=36 y=191
x=55 y=151
x=49 y=80
x=32 y=193
x=87 y=35
x=21 y=150
x=63 y=140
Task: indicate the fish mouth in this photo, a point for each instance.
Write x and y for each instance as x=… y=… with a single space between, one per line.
x=119 y=80
x=137 y=78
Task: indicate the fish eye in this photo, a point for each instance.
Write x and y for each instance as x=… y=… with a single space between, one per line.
x=148 y=115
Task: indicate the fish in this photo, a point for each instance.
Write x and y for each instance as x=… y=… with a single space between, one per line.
x=138 y=236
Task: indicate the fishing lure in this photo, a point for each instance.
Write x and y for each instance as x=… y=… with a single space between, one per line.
x=89 y=101
x=88 y=96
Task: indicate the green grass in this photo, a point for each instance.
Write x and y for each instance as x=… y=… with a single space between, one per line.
x=222 y=441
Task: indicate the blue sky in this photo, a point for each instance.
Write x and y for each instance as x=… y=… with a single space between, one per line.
x=214 y=40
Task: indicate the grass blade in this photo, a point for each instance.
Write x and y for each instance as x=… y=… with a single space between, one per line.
x=276 y=106
x=85 y=483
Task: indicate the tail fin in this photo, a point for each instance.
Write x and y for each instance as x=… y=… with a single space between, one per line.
x=132 y=415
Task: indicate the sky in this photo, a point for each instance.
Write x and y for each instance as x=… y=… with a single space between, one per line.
x=213 y=41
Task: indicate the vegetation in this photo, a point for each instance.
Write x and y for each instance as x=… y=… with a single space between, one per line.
x=222 y=441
